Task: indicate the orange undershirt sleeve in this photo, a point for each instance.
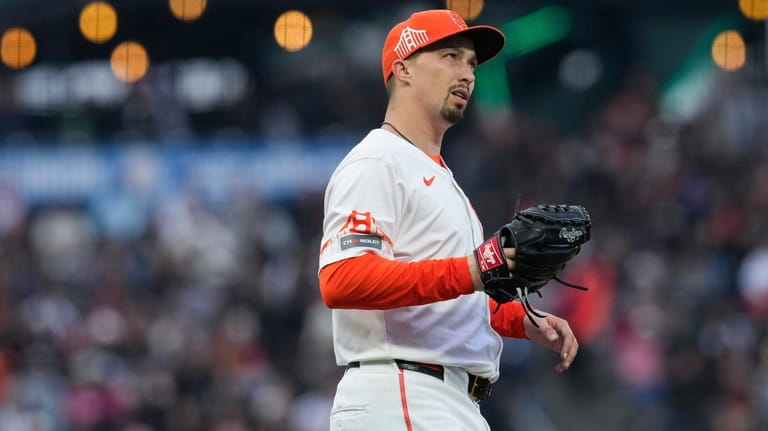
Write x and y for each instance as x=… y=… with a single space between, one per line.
x=371 y=282
x=508 y=320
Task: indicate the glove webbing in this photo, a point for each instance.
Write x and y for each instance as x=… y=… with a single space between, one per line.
x=523 y=293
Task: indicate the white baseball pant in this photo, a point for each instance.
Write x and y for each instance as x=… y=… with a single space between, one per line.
x=379 y=396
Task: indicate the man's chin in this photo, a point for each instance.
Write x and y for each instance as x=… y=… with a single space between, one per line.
x=452 y=115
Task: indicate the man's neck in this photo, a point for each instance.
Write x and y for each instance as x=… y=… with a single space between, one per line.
x=423 y=132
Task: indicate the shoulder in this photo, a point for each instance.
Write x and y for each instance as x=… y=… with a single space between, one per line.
x=378 y=147
x=378 y=144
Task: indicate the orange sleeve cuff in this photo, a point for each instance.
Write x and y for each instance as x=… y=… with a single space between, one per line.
x=372 y=282
x=508 y=320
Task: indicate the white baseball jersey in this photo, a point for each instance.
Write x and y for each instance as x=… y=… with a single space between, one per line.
x=389 y=197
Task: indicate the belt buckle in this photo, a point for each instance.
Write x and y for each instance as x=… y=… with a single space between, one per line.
x=479 y=388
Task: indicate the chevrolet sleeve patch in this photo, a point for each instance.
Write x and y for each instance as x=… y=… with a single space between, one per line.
x=370 y=241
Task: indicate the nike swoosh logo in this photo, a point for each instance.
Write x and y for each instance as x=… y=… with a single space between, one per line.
x=429 y=181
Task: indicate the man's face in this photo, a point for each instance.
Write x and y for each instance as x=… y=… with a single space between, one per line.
x=445 y=76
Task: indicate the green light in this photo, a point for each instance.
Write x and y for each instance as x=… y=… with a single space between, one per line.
x=492 y=88
x=525 y=34
x=683 y=93
x=535 y=30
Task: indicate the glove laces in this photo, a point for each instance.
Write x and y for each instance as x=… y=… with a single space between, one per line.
x=528 y=308
x=522 y=294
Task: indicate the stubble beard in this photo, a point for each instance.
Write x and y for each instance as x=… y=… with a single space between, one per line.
x=451 y=114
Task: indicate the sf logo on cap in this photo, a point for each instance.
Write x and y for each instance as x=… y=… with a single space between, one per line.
x=410 y=40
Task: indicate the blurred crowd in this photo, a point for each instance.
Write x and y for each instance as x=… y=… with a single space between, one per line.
x=673 y=330
x=203 y=317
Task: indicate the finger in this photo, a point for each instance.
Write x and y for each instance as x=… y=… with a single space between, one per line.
x=567 y=359
x=509 y=255
x=571 y=355
x=564 y=360
x=550 y=333
x=568 y=352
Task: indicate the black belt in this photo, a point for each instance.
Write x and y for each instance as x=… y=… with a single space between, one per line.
x=479 y=388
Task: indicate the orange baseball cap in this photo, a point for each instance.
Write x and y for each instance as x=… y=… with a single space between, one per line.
x=427 y=27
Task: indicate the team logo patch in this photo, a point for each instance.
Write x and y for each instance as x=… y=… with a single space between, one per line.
x=457 y=19
x=410 y=41
x=352 y=241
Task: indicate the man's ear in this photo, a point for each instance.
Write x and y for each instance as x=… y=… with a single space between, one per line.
x=401 y=70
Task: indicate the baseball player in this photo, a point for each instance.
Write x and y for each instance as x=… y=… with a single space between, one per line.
x=419 y=338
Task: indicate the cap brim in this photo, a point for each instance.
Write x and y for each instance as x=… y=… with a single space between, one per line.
x=488 y=40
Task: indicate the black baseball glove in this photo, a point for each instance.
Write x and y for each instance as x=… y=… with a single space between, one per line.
x=545 y=238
